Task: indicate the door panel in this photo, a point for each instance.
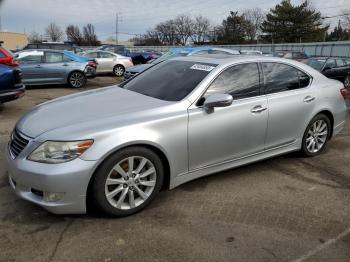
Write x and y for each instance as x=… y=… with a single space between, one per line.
x=227 y=133
x=288 y=116
x=290 y=103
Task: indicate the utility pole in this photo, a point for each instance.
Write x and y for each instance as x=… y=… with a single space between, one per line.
x=0 y=24
x=116 y=28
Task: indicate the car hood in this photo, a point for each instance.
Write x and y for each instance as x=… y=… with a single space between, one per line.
x=84 y=107
x=139 y=68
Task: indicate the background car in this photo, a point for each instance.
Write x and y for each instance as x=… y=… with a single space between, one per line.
x=137 y=57
x=180 y=51
x=11 y=86
x=333 y=67
x=68 y=46
x=250 y=52
x=108 y=62
x=42 y=67
x=6 y=57
x=292 y=54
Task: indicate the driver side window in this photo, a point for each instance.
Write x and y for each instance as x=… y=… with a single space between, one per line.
x=240 y=81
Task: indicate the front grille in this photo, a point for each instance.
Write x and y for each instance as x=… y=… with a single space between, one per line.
x=18 y=143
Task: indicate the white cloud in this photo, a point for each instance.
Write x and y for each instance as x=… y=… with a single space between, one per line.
x=136 y=15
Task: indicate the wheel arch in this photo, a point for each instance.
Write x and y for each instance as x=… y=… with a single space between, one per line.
x=160 y=152
x=73 y=71
x=330 y=116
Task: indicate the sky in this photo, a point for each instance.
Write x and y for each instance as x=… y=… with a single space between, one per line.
x=135 y=16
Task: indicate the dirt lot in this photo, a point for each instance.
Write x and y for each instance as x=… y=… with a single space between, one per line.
x=283 y=209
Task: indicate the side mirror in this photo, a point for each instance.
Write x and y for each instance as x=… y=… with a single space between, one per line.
x=217 y=100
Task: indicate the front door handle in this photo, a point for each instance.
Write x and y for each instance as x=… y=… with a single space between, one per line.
x=258 y=109
x=38 y=66
x=309 y=99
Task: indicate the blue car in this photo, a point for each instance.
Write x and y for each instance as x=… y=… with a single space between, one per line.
x=11 y=86
x=179 y=51
x=43 y=67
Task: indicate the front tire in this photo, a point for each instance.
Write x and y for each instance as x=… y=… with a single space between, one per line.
x=119 y=70
x=127 y=181
x=316 y=135
x=77 y=79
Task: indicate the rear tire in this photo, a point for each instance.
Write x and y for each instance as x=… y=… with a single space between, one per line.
x=127 y=181
x=119 y=70
x=77 y=79
x=316 y=136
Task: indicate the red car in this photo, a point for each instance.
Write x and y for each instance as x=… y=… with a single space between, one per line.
x=6 y=57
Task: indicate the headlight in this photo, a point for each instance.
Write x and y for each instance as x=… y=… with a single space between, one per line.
x=53 y=152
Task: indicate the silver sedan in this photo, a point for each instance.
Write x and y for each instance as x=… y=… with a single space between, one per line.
x=180 y=120
x=108 y=62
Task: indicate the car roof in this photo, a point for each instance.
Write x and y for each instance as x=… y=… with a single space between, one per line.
x=229 y=59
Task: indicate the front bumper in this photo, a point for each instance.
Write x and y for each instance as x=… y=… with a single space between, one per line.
x=14 y=94
x=90 y=72
x=27 y=178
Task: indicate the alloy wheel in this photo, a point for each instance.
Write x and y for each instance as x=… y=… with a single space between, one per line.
x=317 y=136
x=130 y=182
x=119 y=71
x=77 y=79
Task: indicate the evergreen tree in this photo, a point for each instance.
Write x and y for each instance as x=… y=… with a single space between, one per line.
x=291 y=24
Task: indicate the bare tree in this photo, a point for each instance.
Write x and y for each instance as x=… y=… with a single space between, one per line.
x=201 y=27
x=167 y=32
x=35 y=38
x=184 y=27
x=90 y=37
x=255 y=17
x=74 y=35
x=54 y=32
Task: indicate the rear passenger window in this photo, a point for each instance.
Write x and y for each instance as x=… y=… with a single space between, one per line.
x=240 y=81
x=340 y=63
x=53 y=57
x=281 y=77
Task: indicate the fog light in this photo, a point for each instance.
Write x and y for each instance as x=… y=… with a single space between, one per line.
x=52 y=197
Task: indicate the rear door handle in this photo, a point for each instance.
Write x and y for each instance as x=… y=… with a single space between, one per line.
x=258 y=109
x=309 y=99
x=38 y=66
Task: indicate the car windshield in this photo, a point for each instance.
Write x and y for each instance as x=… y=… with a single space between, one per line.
x=169 y=55
x=171 y=80
x=316 y=63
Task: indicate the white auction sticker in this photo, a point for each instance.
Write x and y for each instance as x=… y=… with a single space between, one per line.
x=202 y=67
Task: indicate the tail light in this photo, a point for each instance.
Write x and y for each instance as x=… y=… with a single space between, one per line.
x=344 y=92
x=92 y=63
x=17 y=76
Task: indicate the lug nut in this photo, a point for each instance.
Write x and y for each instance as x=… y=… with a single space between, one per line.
x=125 y=185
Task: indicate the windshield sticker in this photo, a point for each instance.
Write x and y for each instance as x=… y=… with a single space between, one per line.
x=202 y=67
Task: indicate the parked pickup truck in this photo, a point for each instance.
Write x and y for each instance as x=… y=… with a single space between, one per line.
x=11 y=86
x=137 y=57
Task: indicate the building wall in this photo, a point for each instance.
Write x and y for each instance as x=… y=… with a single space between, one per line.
x=13 y=40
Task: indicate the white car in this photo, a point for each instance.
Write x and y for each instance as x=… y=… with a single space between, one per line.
x=108 y=62
x=251 y=52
